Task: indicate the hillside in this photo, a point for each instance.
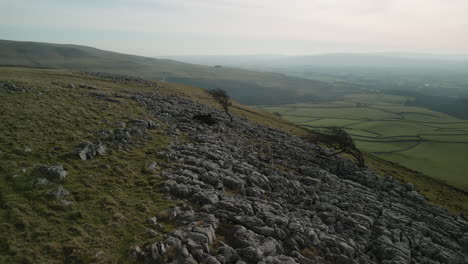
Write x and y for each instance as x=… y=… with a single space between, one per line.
x=98 y=168
x=249 y=87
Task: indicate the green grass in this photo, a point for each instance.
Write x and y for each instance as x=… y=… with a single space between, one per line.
x=113 y=196
x=457 y=138
x=434 y=190
x=328 y=104
x=372 y=98
x=398 y=108
x=300 y=119
x=360 y=113
x=383 y=146
x=445 y=162
x=324 y=122
x=388 y=128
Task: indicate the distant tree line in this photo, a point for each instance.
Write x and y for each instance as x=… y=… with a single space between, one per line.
x=457 y=107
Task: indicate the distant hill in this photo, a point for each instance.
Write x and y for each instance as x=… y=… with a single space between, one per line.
x=379 y=60
x=249 y=87
x=434 y=74
x=226 y=60
x=369 y=60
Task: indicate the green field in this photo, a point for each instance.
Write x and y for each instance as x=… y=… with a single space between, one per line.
x=430 y=142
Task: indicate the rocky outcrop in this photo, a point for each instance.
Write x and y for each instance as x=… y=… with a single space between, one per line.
x=11 y=88
x=54 y=173
x=125 y=136
x=123 y=78
x=259 y=195
x=50 y=179
x=87 y=150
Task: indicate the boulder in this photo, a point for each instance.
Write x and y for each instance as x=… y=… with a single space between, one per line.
x=60 y=192
x=54 y=173
x=251 y=254
x=87 y=150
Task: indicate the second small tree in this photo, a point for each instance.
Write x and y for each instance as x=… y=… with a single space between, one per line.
x=338 y=140
x=222 y=98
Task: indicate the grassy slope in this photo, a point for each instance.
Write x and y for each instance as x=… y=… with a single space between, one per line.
x=113 y=196
x=437 y=192
x=445 y=162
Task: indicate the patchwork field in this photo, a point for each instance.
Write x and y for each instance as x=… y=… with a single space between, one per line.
x=433 y=143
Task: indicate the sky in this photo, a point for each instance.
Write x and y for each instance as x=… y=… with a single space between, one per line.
x=229 y=27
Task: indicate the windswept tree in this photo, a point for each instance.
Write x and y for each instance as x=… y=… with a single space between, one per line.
x=338 y=140
x=221 y=96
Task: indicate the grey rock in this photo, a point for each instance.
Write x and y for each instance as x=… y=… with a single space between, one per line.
x=157 y=250
x=151 y=233
x=207 y=230
x=153 y=166
x=280 y=259
x=251 y=254
x=271 y=246
x=88 y=150
x=244 y=237
x=207 y=259
x=198 y=238
x=41 y=182
x=229 y=254
x=99 y=254
x=66 y=203
x=55 y=173
x=206 y=198
x=233 y=183
x=60 y=192
x=173 y=242
x=147 y=124
x=153 y=221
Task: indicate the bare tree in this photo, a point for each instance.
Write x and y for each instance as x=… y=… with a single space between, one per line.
x=340 y=141
x=221 y=96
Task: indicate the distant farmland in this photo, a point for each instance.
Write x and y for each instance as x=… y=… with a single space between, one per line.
x=431 y=142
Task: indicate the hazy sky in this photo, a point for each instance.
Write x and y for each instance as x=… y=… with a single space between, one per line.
x=182 y=27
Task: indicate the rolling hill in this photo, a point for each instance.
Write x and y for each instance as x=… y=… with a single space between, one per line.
x=249 y=87
x=98 y=168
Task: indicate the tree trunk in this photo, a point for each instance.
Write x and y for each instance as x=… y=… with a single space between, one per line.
x=230 y=117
